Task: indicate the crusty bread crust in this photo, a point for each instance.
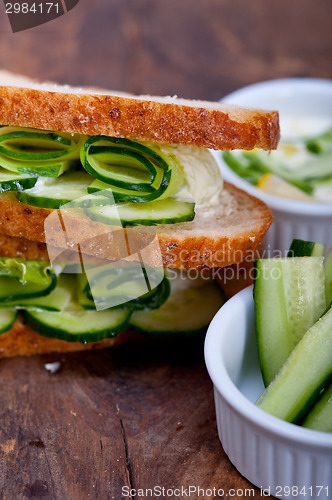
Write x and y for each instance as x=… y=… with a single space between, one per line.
x=21 y=340
x=165 y=120
x=229 y=235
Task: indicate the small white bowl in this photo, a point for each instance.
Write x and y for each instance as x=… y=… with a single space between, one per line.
x=274 y=455
x=305 y=100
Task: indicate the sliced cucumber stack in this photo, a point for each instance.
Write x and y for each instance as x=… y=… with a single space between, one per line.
x=289 y=298
x=41 y=167
x=190 y=307
x=306 y=371
x=63 y=317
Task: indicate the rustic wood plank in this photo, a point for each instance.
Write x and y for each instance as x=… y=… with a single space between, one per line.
x=60 y=433
x=196 y=49
x=138 y=416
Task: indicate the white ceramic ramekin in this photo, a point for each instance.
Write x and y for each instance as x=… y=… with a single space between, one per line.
x=283 y=459
x=299 y=99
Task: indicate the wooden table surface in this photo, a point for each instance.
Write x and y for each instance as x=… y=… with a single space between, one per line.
x=140 y=415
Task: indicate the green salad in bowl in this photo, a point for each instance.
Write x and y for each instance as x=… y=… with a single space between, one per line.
x=300 y=169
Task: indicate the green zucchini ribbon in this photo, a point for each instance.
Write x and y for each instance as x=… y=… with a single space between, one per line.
x=131 y=171
x=38 y=152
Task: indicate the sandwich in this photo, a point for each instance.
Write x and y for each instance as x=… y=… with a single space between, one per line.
x=114 y=214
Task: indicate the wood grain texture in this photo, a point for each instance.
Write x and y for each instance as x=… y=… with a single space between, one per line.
x=195 y=49
x=140 y=415
x=135 y=416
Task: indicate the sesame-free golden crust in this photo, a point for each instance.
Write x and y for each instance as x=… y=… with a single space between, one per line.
x=223 y=128
x=231 y=237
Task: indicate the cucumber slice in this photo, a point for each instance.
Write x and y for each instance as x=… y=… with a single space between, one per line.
x=328 y=277
x=15 y=182
x=319 y=417
x=53 y=193
x=301 y=248
x=7 y=319
x=115 y=193
x=152 y=213
x=189 y=308
x=77 y=324
x=57 y=300
x=21 y=279
x=289 y=298
x=301 y=378
x=132 y=287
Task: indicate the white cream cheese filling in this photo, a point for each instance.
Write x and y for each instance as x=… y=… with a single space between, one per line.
x=203 y=179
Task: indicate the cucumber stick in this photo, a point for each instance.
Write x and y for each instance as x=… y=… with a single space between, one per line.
x=301 y=248
x=328 y=277
x=289 y=298
x=319 y=417
x=306 y=371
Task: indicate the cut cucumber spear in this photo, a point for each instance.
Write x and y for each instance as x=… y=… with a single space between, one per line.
x=301 y=378
x=289 y=298
x=301 y=248
x=319 y=417
x=328 y=277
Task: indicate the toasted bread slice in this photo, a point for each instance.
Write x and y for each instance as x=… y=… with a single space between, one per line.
x=224 y=235
x=27 y=103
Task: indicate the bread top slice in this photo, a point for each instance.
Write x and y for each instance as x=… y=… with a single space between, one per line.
x=229 y=233
x=27 y=103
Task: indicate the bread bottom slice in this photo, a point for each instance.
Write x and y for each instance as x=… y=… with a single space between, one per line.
x=219 y=236
x=22 y=340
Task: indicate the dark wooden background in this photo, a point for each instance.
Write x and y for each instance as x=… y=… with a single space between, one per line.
x=140 y=415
